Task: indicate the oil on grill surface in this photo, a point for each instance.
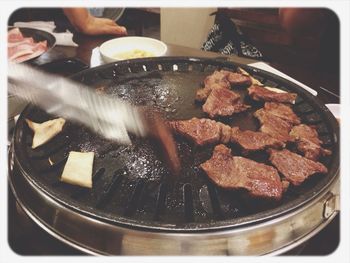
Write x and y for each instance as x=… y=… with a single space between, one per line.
x=130 y=184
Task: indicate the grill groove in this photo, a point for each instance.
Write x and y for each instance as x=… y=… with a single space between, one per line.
x=108 y=190
x=213 y=194
x=133 y=203
x=160 y=203
x=188 y=203
x=83 y=191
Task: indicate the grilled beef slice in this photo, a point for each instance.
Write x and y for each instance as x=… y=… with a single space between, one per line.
x=223 y=102
x=274 y=126
x=206 y=131
x=308 y=142
x=235 y=172
x=223 y=79
x=295 y=167
x=254 y=141
x=282 y=111
x=270 y=94
x=202 y=131
x=238 y=79
x=277 y=120
x=216 y=80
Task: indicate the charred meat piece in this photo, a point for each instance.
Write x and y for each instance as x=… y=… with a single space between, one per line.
x=223 y=102
x=222 y=79
x=295 y=167
x=282 y=111
x=308 y=142
x=203 y=94
x=274 y=126
x=277 y=120
x=238 y=79
x=271 y=94
x=235 y=172
x=254 y=141
x=216 y=80
x=218 y=77
x=202 y=131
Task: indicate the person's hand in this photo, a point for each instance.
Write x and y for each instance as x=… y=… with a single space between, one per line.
x=87 y=24
x=103 y=26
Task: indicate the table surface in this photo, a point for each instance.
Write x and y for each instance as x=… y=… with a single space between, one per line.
x=21 y=229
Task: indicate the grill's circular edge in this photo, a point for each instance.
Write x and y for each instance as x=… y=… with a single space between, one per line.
x=224 y=224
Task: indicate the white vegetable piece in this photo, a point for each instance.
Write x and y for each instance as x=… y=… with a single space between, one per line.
x=275 y=90
x=43 y=132
x=78 y=169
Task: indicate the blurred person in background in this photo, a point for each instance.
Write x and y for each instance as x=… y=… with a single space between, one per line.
x=319 y=22
x=80 y=20
x=84 y=22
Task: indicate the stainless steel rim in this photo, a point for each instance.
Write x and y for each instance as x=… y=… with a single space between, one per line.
x=272 y=237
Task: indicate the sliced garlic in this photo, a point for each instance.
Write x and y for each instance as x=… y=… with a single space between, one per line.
x=275 y=90
x=43 y=132
x=78 y=169
x=256 y=82
x=242 y=71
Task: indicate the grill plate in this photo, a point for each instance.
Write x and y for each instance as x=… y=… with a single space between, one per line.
x=131 y=186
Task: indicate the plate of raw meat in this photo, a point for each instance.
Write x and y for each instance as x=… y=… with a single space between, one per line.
x=25 y=44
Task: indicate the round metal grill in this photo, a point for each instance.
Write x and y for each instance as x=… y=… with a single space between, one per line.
x=131 y=187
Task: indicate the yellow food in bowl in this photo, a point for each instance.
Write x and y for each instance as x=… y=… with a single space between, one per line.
x=135 y=53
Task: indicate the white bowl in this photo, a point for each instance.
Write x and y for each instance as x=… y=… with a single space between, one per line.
x=111 y=50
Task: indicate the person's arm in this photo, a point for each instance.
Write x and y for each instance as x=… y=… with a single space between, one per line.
x=87 y=24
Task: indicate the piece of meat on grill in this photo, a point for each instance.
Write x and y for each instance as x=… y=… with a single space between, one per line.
x=274 y=126
x=202 y=131
x=216 y=80
x=277 y=120
x=282 y=111
x=308 y=142
x=253 y=80
x=238 y=79
x=254 y=141
x=295 y=167
x=271 y=94
x=218 y=77
x=203 y=94
x=223 y=102
x=222 y=79
x=236 y=172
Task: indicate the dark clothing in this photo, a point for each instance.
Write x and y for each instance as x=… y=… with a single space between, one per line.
x=330 y=41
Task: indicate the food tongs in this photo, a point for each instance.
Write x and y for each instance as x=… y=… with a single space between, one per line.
x=110 y=117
